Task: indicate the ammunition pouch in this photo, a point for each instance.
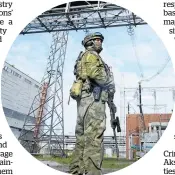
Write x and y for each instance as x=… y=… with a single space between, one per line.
x=86 y=89
x=100 y=94
x=76 y=89
x=104 y=96
x=87 y=86
x=97 y=93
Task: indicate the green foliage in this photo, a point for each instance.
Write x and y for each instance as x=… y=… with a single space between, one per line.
x=113 y=163
x=60 y=160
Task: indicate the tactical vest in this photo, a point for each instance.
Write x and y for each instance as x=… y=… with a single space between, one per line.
x=80 y=67
x=81 y=75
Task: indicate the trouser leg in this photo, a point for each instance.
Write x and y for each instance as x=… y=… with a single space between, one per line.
x=77 y=165
x=95 y=124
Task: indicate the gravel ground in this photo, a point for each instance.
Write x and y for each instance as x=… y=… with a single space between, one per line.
x=64 y=168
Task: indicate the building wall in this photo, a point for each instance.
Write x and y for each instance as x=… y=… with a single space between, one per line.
x=133 y=127
x=17 y=89
x=17 y=94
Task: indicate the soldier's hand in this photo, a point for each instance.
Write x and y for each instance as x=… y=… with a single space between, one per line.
x=113 y=123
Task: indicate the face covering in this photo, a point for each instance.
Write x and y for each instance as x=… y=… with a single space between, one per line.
x=98 y=46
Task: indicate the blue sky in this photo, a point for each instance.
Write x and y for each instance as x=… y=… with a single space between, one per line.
x=117 y=44
x=29 y=54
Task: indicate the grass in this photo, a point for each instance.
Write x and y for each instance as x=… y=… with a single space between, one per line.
x=110 y=163
x=113 y=163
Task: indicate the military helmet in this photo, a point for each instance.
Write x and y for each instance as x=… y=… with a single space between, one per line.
x=92 y=36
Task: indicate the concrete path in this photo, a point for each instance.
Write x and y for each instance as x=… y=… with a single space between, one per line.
x=64 y=168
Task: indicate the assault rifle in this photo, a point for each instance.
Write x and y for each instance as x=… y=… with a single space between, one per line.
x=114 y=122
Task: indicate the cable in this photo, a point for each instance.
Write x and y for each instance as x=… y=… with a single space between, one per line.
x=132 y=108
x=130 y=30
x=158 y=72
x=154 y=107
x=131 y=33
x=134 y=96
x=136 y=55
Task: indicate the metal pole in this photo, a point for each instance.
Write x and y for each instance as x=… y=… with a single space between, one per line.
x=124 y=112
x=142 y=118
x=155 y=105
x=140 y=106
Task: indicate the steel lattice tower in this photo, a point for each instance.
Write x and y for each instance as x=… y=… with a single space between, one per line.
x=43 y=130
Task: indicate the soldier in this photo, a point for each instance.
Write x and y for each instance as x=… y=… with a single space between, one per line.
x=94 y=83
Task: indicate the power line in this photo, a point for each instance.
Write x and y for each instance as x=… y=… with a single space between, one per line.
x=130 y=30
x=158 y=72
x=150 y=88
x=133 y=108
x=149 y=106
x=131 y=33
x=157 y=89
x=136 y=55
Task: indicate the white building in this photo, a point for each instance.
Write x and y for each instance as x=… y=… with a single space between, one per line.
x=17 y=89
x=17 y=93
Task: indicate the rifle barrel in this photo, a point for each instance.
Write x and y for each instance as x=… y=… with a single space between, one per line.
x=116 y=144
x=112 y=114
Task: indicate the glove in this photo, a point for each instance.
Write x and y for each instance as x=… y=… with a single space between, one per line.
x=111 y=88
x=114 y=123
x=111 y=93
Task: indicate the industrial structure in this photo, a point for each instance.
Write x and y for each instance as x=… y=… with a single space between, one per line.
x=139 y=143
x=19 y=90
x=80 y=15
x=17 y=93
x=42 y=131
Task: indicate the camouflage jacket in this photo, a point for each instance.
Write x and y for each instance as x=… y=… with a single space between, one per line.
x=90 y=66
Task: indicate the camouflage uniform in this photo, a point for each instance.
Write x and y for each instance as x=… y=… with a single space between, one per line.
x=91 y=119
